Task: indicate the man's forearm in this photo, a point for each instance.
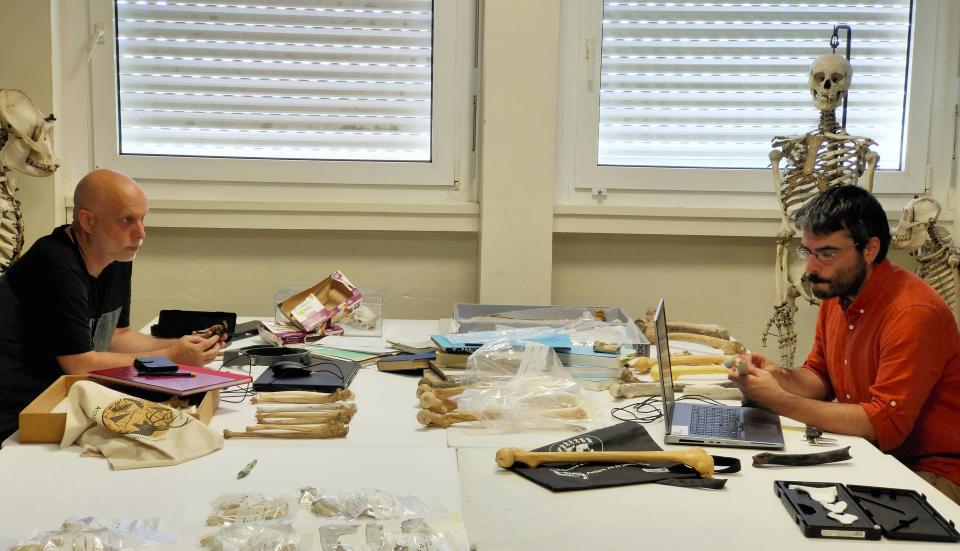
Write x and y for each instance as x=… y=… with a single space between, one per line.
x=829 y=416
x=127 y=341
x=801 y=382
x=79 y=364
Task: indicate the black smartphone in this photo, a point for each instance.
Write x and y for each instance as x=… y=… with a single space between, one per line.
x=154 y=364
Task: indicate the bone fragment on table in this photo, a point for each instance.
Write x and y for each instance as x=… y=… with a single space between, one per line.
x=714 y=392
x=429 y=400
x=442 y=392
x=302 y=397
x=682 y=370
x=331 y=406
x=695 y=457
x=342 y=416
x=332 y=430
x=432 y=419
x=646 y=325
x=717 y=391
x=801 y=459
x=315 y=428
x=643 y=364
x=727 y=346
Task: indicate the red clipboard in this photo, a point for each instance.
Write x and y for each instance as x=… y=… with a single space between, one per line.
x=203 y=380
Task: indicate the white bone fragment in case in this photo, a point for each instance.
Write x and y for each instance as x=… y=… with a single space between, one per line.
x=843 y=518
x=298 y=397
x=694 y=457
x=837 y=507
x=827 y=494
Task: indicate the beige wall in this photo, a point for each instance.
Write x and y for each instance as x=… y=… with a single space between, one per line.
x=724 y=280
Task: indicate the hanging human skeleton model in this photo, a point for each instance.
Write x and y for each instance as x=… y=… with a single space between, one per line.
x=26 y=146
x=813 y=162
x=932 y=247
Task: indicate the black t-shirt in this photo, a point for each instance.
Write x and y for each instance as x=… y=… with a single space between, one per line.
x=62 y=311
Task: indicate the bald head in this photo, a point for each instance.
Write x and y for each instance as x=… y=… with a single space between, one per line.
x=104 y=192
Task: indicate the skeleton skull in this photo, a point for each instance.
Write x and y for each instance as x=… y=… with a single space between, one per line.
x=26 y=136
x=365 y=318
x=911 y=231
x=830 y=77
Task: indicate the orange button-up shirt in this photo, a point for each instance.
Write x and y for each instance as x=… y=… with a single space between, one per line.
x=895 y=350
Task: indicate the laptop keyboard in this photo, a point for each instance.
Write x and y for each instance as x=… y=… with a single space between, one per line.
x=721 y=422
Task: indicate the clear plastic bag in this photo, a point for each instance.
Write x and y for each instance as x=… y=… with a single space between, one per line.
x=256 y=536
x=92 y=534
x=523 y=386
x=361 y=503
x=233 y=509
x=435 y=533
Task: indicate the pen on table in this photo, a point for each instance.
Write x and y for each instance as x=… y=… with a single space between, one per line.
x=172 y=374
x=246 y=470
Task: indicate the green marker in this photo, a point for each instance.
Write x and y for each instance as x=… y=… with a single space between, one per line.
x=246 y=470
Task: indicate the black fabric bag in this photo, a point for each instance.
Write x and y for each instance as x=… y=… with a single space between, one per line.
x=625 y=436
x=174 y=324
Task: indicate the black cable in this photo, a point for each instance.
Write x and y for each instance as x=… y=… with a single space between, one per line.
x=651 y=409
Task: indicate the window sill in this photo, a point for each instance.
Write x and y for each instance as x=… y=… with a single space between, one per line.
x=290 y=215
x=728 y=222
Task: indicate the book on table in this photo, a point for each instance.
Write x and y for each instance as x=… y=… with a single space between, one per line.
x=585 y=356
x=200 y=380
x=406 y=362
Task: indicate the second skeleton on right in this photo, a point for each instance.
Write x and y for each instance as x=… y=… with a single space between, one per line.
x=813 y=162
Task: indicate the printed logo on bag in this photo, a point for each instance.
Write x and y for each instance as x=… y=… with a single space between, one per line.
x=130 y=416
x=578 y=444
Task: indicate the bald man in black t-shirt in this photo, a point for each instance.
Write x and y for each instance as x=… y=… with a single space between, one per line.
x=65 y=305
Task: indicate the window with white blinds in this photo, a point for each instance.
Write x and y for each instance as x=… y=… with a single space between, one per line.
x=276 y=79
x=708 y=84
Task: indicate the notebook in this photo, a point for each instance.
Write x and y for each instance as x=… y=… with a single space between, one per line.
x=709 y=425
x=203 y=379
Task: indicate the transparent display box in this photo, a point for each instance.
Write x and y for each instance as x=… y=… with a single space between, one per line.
x=367 y=320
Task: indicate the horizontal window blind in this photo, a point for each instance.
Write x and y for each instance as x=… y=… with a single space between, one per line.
x=708 y=84
x=276 y=79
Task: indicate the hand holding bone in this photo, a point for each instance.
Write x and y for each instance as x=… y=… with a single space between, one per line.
x=694 y=457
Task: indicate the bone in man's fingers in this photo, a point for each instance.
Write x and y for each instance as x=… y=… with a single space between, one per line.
x=694 y=457
x=295 y=397
x=334 y=430
x=643 y=364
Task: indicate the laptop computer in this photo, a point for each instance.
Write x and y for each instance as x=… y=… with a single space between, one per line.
x=709 y=425
x=321 y=376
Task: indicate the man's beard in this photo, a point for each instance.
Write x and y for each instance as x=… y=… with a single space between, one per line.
x=842 y=284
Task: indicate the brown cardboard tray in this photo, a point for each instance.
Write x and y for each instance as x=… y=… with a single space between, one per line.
x=39 y=424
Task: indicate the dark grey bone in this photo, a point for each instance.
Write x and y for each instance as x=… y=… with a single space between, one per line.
x=802 y=459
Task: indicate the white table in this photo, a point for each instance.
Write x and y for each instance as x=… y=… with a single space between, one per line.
x=387 y=449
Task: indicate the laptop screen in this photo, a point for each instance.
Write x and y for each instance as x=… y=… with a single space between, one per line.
x=663 y=360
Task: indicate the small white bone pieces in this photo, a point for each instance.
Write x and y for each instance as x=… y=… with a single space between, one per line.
x=837 y=507
x=843 y=518
x=827 y=494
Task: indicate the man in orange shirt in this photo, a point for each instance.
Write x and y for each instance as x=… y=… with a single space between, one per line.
x=887 y=347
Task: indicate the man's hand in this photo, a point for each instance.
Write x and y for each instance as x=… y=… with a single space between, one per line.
x=758 y=384
x=195 y=349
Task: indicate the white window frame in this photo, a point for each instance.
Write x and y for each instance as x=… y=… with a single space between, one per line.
x=451 y=136
x=582 y=180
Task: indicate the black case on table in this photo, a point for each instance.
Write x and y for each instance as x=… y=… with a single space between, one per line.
x=173 y=324
x=891 y=512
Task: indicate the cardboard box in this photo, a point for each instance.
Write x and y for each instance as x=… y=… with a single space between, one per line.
x=325 y=303
x=39 y=423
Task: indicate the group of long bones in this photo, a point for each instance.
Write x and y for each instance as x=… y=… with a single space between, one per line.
x=300 y=415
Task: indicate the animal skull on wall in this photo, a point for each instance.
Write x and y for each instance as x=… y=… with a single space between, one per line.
x=26 y=146
x=829 y=81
